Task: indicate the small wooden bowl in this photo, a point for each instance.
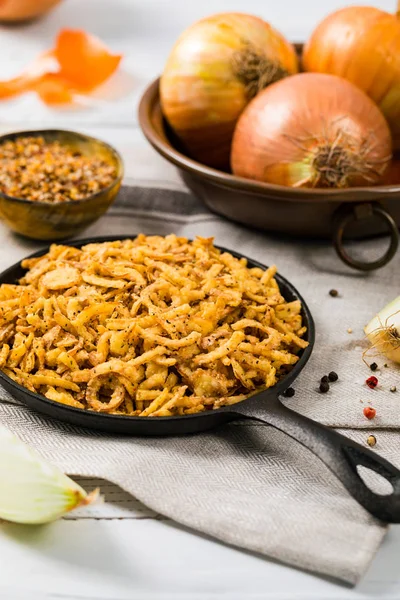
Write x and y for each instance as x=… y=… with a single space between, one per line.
x=324 y=213
x=47 y=221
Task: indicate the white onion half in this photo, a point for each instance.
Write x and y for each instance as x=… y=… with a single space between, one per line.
x=383 y=331
x=33 y=491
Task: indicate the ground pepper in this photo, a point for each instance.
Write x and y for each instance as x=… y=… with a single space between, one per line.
x=40 y=171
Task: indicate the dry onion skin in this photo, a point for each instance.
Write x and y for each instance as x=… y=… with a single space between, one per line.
x=215 y=68
x=361 y=44
x=82 y=63
x=312 y=130
x=155 y=326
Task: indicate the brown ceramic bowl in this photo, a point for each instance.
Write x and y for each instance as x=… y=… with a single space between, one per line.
x=46 y=221
x=351 y=213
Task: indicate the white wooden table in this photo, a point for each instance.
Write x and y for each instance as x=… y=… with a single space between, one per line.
x=121 y=550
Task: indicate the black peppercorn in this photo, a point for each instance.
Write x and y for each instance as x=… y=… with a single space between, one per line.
x=373 y=366
x=324 y=379
x=289 y=393
x=333 y=293
x=324 y=387
x=333 y=376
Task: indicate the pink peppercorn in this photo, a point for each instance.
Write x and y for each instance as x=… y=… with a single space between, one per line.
x=369 y=412
x=372 y=382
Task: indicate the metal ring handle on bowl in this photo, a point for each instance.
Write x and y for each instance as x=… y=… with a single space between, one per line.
x=367 y=210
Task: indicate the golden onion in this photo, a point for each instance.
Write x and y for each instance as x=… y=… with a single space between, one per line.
x=216 y=67
x=312 y=130
x=361 y=44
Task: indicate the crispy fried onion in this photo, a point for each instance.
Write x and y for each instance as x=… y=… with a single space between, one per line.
x=151 y=327
x=109 y=385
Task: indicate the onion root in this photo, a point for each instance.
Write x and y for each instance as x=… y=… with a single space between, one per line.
x=335 y=163
x=256 y=71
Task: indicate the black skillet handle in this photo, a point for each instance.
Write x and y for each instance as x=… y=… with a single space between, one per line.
x=339 y=453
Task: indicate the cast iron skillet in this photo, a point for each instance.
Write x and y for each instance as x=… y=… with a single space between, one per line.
x=340 y=454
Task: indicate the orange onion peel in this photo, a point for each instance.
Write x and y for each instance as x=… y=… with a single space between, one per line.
x=84 y=60
x=361 y=44
x=82 y=63
x=312 y=130
x=28 y=78
x=53 y=89
x=215 y=68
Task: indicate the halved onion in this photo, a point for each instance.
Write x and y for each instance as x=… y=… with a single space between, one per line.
x=384 y=331
x=312 y=130
x=216 y=67
x=361 y=44
x=31 y=490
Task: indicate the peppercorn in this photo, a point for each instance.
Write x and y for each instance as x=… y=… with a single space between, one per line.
x=373 y=366
x=371 y=440
x=289 y=393
x=369 y=412
x=324 y=379
x=333 y=293
x=372 y=382
x=324 y=387
x=393 y=389
x=333 y=376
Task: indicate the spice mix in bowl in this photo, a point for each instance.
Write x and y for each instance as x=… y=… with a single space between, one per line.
x=55 y=183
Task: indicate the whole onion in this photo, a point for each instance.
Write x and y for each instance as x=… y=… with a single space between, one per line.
x=216 y=67
x=361 y=44
x=312 y=130
x=392 y=176
x=19 y=10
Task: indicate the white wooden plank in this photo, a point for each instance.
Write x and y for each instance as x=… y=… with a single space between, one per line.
x=123 y=560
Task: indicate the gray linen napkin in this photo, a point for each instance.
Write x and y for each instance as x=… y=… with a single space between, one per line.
x=247 y=484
